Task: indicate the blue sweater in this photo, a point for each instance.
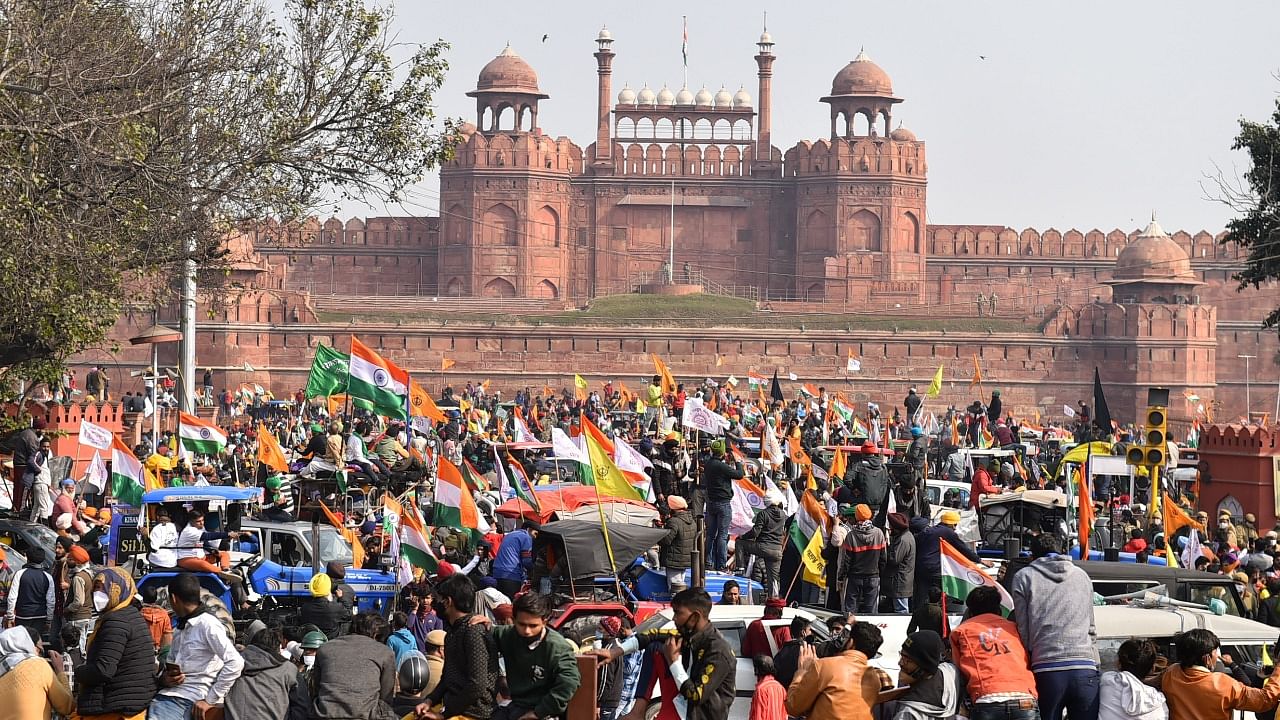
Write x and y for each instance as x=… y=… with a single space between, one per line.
x=515 y=556
x=402 y=643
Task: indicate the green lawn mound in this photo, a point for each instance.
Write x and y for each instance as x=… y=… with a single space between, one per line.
x=693 y=311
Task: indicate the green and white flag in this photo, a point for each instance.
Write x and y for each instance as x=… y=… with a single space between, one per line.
x=329 y=373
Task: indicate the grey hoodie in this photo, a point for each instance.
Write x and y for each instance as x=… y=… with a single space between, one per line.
x=1053 y=607
x=263 y=688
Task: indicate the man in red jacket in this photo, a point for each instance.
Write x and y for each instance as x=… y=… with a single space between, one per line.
x=982 y=484
x=991 y=658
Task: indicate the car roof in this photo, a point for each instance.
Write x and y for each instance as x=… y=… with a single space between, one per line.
x=722 y=613
x=301 y=525
x=1142 y=571
x=201 y=494
x=1122 y=621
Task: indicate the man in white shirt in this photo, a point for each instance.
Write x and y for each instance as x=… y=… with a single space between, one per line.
x=163 y=539
x=203 y=662
x=191 y=555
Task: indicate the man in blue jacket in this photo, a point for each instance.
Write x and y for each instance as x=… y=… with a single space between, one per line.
x=929 y=553
x=514 y=559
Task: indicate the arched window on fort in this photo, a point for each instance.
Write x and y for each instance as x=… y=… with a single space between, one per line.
x=914 y=242
x=863 y=231
x=546 y=224
x=499 y=288
x=501 y=226
x=819 y=234
x=546 y=289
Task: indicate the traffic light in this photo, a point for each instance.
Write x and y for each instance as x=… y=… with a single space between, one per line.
x=1155 y=442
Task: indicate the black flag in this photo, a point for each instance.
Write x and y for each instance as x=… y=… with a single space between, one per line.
x=775 y=390
x=1101 y=415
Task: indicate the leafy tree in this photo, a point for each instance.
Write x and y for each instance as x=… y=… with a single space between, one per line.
x=135 y=133
x=1258 y=199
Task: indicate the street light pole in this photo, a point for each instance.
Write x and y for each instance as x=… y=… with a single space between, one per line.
x=1248 y=405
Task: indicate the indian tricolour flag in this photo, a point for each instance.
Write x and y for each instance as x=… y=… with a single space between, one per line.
x=414 y=545
x=127 y=476
x=811 y=520
x=378 y=380
x=454 y=506
x=960 y=576
x=200 y=436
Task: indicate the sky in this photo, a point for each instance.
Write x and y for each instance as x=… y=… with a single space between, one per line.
x=1085 y=114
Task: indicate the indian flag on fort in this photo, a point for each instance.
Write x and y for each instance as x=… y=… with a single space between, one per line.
x=200 y=436
x=454 y=506
x=378 y=380
x=127 y=476
x=960 y=576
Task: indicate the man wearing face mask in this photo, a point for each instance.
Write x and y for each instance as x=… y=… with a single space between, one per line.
x=542 y=673
x=707 y=687
x=79 y=607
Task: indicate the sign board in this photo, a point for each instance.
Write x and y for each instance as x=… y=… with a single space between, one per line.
x=126 y=541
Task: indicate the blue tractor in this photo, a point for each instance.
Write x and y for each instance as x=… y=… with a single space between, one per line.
x=274 y=560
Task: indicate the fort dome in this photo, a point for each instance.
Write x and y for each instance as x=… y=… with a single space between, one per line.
x=508 y=73
x=1153 y=255
x=902 y=135
x=862 y=77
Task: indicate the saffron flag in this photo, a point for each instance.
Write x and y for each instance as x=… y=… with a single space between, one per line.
x=935 y=387
x=977 y=372
x=660 y=369
x=351 y=536
x=797 y=453
x=446 y=363
x=421 y=404
x=1086 y=513
x=269 y=451
x=200 y=436
x=839 y=465
x=128 y=479
x=454 y=506
x=580 y=387
x=960 y=576
x=378 y=380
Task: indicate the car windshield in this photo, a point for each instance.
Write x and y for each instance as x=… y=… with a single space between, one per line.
x=333 y=547
x=1201 y=593
x=47 y=537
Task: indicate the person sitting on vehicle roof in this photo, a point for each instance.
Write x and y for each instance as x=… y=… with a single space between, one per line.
x=191 y=555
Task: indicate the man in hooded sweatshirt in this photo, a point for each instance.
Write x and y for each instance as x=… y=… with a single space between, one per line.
x=266 y=682
x=932 y=688
x=1053 y=604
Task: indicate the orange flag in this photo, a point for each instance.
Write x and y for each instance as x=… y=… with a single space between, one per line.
x=660 y=369
x=269 y=450
x=1086 y=514
x=357 y=550
x=838 y=465
x=977 y=372
x=446 y=363
x=797 y=453
x=422 y=404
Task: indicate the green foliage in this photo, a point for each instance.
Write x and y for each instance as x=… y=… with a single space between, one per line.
x=1258 y=228
x=134 y=134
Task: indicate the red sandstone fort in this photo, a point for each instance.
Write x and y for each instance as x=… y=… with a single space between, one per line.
x=531 y=224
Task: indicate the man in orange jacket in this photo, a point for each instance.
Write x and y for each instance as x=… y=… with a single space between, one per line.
x=1195 y=692
x=839 y=687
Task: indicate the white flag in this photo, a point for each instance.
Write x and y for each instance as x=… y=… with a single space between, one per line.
x=95 y=436
x=147 y=407
x=1068 y=411
x=247 y=367
x=628 y=459
x=697 y=416
x=421 y=424
x=1192 y=550
x=792 y=376
x=731 y=381
x=565 y=448
x=95 y=477
x=853 y=365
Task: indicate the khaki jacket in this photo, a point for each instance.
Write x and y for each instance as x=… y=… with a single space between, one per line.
x=834 y=688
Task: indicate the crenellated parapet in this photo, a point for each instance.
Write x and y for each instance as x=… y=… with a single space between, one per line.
x=997 y=241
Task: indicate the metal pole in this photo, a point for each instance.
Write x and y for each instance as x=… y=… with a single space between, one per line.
x=155 y=397
x=671 y=260
x=1248 y=405
x=187 y=347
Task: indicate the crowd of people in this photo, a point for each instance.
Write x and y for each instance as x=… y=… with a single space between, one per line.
x=469 y=637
